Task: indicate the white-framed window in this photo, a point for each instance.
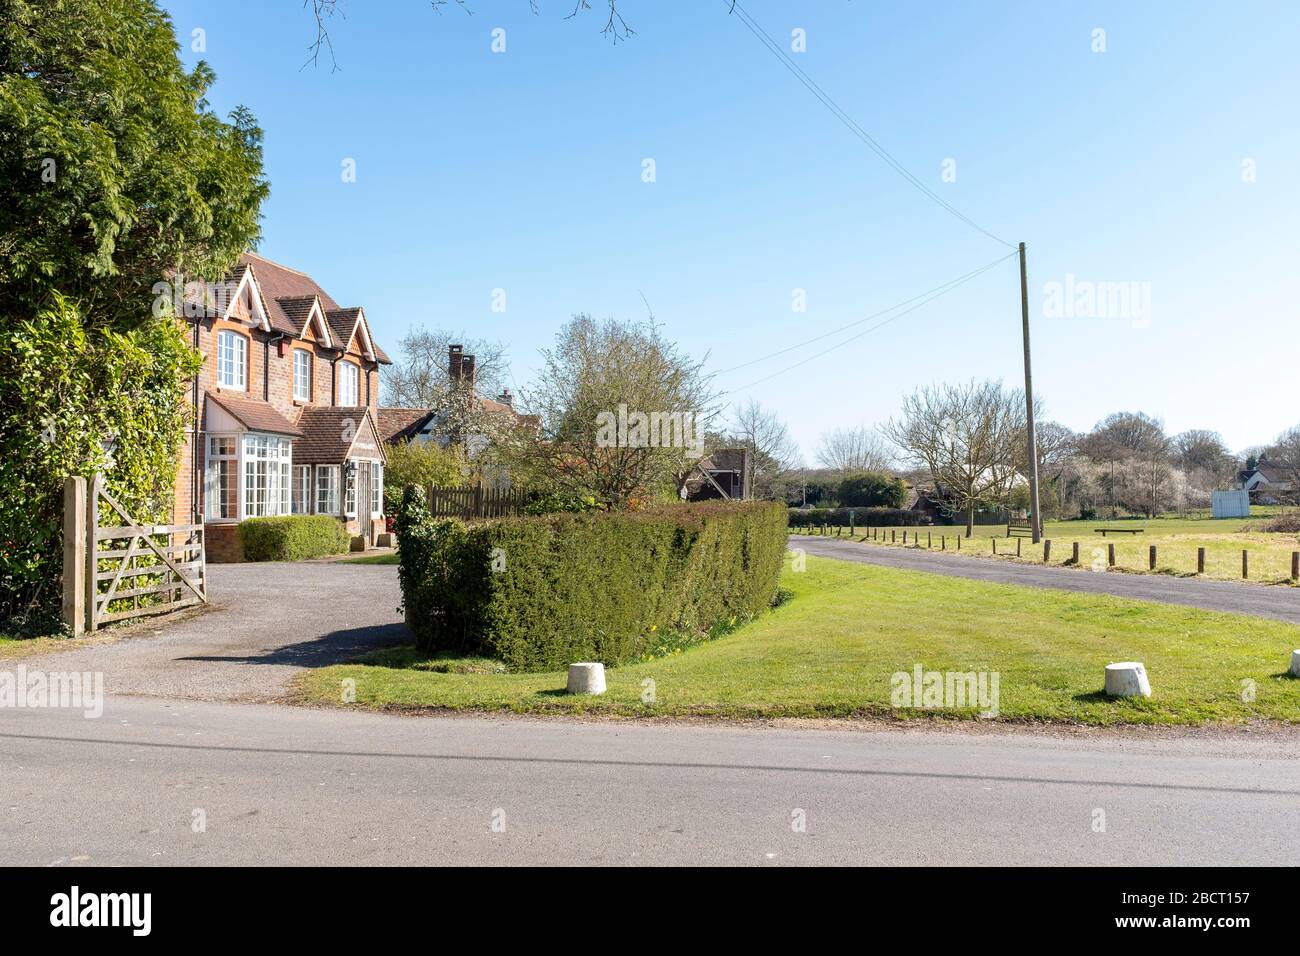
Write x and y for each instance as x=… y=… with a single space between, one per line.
x=376 y=489
x=301 y=375
x=327 y=489
x=350 y=490
x=348 y=384
x=232 y=360
x=267 y=461
x=221 y=482
x=302 y=489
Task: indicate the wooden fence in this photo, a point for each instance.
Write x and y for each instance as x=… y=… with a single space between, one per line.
x=115 y=569
x=475 y=501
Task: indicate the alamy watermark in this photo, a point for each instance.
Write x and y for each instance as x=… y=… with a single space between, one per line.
x=1085 y=299
x=626 y=429
x=945 y=690
x=83 y=690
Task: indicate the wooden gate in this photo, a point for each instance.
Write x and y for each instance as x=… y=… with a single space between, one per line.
x=124 y=569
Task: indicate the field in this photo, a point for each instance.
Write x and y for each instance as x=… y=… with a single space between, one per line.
x=1176 y=541
x=831 y=649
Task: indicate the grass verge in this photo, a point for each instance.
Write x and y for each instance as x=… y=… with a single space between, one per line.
x=831 y=648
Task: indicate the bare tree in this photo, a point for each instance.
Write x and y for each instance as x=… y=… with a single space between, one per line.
x=773 y=454
x=421 y=377
x=848 y=450
x=1204 y=452
x=622 y=413
x=615 y=28
x=968 y=438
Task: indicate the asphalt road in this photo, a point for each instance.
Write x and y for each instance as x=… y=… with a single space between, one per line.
x=273 y=784
x=1282 y=603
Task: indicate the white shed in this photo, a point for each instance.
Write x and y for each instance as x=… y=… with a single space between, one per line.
x=1230 y=504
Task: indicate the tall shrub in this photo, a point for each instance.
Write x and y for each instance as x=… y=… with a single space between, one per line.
x=66 y=393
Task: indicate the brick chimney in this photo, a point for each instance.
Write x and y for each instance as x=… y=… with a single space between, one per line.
x=505 y=398
x=455 y=362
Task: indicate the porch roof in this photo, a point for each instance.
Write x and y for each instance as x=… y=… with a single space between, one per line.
x=255 y=415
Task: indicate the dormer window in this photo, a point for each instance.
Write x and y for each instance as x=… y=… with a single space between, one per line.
x=232 y=360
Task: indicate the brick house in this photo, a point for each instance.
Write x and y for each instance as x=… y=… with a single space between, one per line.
x=285 y=407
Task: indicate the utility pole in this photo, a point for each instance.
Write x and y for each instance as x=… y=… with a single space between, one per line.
x=1035 y=518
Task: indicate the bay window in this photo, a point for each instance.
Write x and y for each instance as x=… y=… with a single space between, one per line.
x=327 y=489
x=222 y=479
x=267 y=460
x=302 y=489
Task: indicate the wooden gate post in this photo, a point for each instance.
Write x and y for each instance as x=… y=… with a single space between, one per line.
x=74 y=554
x=92 y=550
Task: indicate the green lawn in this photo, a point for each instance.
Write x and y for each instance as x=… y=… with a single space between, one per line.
x=388 y=558
x=1176 y=541
x=831 y=649
x=14 y=647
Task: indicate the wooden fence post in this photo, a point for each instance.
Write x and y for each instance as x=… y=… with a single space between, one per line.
x=1200 y=560
x=943 y=542
x=1245 y=563
x=1074 y=558
x=929 y=539
x=1018 y=540
x=1295 y=566
x=851 y=514
x=74 y=554
x=1047 y=550
x=958 y=542
x=995 y=545
x=1151 y=558
x=893 y=535
x=1110 y=555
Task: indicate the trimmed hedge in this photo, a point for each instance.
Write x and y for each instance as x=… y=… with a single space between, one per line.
x=292 y=537
x=539 y=593
x=862 y=517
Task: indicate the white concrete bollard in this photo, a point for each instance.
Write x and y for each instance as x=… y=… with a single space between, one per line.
x=586 y=679
x=1295 y=663
x=1127 y=679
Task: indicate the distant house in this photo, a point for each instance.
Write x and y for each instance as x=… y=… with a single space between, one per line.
x=398 y=425
x=1267 y=482
x=724 y=473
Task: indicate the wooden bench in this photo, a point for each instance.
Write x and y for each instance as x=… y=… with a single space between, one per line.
x=1103 y=531
x=1020 y=529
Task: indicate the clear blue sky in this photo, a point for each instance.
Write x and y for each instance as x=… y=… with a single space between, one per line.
x=523 y=171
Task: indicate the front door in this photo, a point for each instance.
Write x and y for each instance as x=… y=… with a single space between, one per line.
x=363 y=502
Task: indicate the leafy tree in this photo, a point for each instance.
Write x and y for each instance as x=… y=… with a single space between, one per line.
x=114 y=173
x=872 y=489
x=605 y=400
x=421 y=463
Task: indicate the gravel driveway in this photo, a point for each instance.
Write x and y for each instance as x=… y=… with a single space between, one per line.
x=1280 y=602
x=266 y=622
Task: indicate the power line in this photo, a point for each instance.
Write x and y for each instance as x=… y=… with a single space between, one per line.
x=784 y=59
x=943 y=290
x=942 y=287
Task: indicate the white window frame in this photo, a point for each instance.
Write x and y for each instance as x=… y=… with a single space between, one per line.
x=213 y=500
x=266 y=467
x=349 y=384
x=302 y=388
x=302 y=496
x=327 y=480
x=350 y=490
x=232 y=360
x=376 y=489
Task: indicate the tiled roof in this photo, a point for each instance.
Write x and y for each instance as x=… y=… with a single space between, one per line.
x=297 y=308
x=280 y=282
x=255 y=415
x=394 y=423
x=343 y=323
x=330 y=432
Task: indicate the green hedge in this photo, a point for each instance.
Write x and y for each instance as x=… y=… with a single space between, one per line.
x=539 y=593
x=292 y=537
